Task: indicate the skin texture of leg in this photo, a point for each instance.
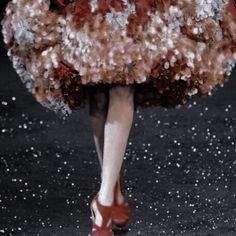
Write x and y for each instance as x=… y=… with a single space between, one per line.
x=117 y=127
x=98 y=113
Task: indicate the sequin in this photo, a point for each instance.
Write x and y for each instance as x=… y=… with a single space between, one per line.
x=177 y=48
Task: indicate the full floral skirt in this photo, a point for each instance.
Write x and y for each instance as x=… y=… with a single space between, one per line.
x=168 y=50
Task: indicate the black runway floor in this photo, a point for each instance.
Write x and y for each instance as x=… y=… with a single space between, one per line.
x=178 y=170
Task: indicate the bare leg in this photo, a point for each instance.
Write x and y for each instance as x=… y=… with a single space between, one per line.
x=98 y=112
x=117 y=127
x=98 y=123
x=98 y=135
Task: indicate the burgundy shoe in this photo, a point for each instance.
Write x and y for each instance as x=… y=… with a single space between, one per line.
x=106 y=213
x=121 y=213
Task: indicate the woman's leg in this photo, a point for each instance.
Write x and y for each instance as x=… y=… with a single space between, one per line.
x=98 y=106
x=119 y=96
x=117 y=127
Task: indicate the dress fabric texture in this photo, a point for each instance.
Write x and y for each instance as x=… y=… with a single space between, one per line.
x=168 y=50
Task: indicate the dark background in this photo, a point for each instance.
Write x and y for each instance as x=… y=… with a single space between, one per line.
x=178 y=170
x=3 y=4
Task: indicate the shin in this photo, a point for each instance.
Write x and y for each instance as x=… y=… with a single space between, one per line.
x=117 y=127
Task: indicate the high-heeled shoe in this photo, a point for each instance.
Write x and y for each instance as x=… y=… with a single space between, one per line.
x=121 y=213
x=105 y=212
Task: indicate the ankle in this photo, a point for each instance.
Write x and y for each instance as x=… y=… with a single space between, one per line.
x=105 y=199
x=119 y=198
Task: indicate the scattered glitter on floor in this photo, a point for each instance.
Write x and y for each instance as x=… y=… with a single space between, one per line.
x=178 y=170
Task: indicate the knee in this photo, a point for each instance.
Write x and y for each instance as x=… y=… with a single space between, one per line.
x=121 y=94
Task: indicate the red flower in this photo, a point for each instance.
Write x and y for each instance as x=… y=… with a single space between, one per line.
x=83 y=8
x=104 y=5
x=82 y=12
x=231 y=7
x=71 y=85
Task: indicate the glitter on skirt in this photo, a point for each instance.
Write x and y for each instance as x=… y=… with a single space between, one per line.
x=168 y=50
